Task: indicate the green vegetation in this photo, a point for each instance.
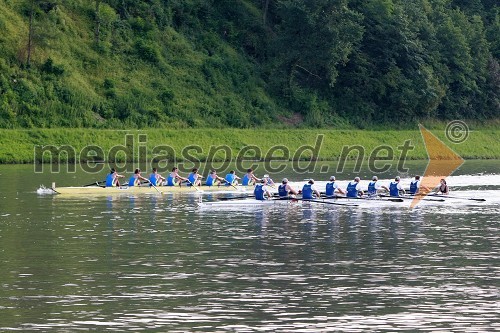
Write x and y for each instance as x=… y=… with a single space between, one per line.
x=246 y=63
x=18 y=145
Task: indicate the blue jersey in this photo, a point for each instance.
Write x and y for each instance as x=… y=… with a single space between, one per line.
x=153 y=179
x=414 y=186
x=132 y=180
x=259 y=192
x=171 y=179
x=307 y=191
x=230 y=178
x=394 y=189
x=247 y=178
x=330 y=188
x=352 y=190
x=109 y=179
x=282 y=191
x=210 y=181
x=192 y=179
x=371 y=188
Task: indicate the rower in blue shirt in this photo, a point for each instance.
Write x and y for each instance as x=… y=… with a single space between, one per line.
x=309 y=191
x=249 y=178
x=354 y=188
x=261 y=191
x=395 y=187
x=194 y=178
x=174 y=178
x=374 y=186
x=213 y=179
x=285 y=190
x=268 y=180
x=332 y=188
x=415 y=186
x=155 y=178
x=112 y=178
x=135 y=179
x=231 y=178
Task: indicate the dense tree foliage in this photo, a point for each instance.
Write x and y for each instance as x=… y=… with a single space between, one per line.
x=244 y=63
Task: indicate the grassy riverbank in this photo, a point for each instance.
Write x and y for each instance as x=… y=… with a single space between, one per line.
x=25 y=146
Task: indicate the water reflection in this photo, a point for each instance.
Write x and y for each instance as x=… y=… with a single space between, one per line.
x=157 y=263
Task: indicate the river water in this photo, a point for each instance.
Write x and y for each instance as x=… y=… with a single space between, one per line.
x=160 y=263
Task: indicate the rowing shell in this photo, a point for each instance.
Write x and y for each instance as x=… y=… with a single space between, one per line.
x=96 y=190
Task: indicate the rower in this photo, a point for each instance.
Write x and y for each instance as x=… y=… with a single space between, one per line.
x=395 y=187
x=285 y=190
x=332 y=188
x=309 y=190
x=268 y=180
x=213 y=179
x=374 y=186
x=155 y=178
x=415 y=185
x=354 y=188
x=231 y=178
x=112 y=178
x=442 y=188
x=261 y=192
x=249 y=178
x=135 y=179
x=174 y=178
x=194 y=178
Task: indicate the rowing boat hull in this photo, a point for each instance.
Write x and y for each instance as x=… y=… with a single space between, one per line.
x=96 y=190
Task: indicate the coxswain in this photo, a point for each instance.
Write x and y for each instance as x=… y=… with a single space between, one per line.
x=442 y=188
x=112 y=178
x=135 y=179
x=174 y=178
x=332 y=188
x=395 y=187
x=285 y=190
x=155 y=178
x=249 y=178
x=194 y=178
x=213 y=179
x=261 y=191
x=354 y=188
x=309 y=190
x=374 y=186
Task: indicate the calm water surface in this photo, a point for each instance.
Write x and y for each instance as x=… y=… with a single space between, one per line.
x=158 y=263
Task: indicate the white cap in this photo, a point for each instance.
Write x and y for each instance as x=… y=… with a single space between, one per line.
x=375 y=178
x=311 y=181
x=285 y=180
x=397 y=178
x=332 y=177
x=266 y=176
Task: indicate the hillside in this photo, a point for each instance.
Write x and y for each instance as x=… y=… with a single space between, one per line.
x=246 y=63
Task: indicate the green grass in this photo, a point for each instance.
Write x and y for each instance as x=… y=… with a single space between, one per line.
x=18 y=146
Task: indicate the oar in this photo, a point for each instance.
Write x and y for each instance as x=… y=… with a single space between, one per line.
x=413 y=197
x=195 y=187
x=365 y=198
x=326 y=202
x=231 y=184
x=445 y=196
x=97 y=183
x=235 y=198
x=157 y=190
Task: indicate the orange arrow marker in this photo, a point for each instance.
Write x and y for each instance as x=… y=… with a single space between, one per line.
x=442 y=163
